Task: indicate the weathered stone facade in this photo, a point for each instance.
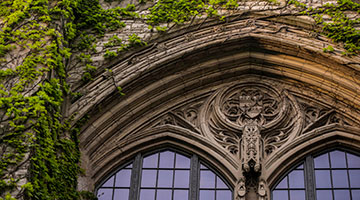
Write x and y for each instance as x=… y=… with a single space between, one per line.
x=252 y=95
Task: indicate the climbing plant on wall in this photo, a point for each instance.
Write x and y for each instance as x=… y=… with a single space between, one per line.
x=38 y=39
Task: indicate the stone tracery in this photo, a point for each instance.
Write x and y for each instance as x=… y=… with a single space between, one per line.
x=251 y=121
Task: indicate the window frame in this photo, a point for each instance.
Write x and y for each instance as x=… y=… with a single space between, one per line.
x=194 y=177
x=309 y=171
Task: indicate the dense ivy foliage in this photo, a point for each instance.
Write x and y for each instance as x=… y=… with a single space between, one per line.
x=37 y=40
x=336 y=23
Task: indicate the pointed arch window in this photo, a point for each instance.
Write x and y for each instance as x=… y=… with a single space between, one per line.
x=334 y=175
x=165 y=175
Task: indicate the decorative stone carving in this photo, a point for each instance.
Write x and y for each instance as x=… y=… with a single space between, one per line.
x=240 y=190
x=246 y=119
x=251 y=121
x=262 y=192
x=251 y=148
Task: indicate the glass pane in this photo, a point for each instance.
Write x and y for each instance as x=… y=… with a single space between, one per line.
x=181 y=194
x=322 y=178
x=104 y=194
x=296 y=179
x=337 y=159
x=181 y=179
x=223 y=195
x=207 y=194
x=207 y=179
x=340 y=179
x=150 y=161
x=109 y=183
x=354 y=178
x=148 y=178
x=322 y=161
x=121 y=194
x=353 y=161
x=123 y=178
x=282 y=184
x=202 y=167
x=220 y=183
x=300 y=167
x=280 y=195
x=164 y=195
x=297 y=194
x=167 y=159
x=323 y=195
x=147 y=194
x=165 y=178
x=129 y=166
x=341 y=194
x=355 y=194
x=182 y=161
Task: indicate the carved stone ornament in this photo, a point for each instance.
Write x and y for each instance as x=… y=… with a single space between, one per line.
x=249 y=120
x=262 y=192
x=240 y=190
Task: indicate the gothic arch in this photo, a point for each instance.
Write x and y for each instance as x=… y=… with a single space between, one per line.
x=311 y=144
x=178 y=83
x=165 y=137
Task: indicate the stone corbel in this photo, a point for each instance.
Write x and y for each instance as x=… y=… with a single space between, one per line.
x=262 y=190
x=240 y=190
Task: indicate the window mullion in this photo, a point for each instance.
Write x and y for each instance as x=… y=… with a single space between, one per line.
x=135 y=179
x=194 y=178
x=310 y=178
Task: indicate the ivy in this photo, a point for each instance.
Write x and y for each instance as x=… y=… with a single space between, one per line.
x=340 y=27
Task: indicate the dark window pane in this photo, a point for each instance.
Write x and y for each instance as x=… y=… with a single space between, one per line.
x=148 y=178
x=354 y=178
x=322 y=178
x=282 y=184
x=297 y=194
x=341 y=195
x=165 y=178
x=280 y=195
x=355 y=194
x=340 y=179
x=182 y=161
x=104 y=194
x=181 y=194
x=207 y=179
x=167 y=159
x=123 y=178
x=322 y=161
x=220 y=183
x=164 y=195
x=323 y=195
x=337 y=159
x=181 y=179
x=353 y=161
x=223 y=195
x=147 y=194
x=109 y=183
x=150 y=161
x=121 y=194
x=207 y=194
x=296 y=179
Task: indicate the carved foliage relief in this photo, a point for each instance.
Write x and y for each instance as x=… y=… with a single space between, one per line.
x=251 y=121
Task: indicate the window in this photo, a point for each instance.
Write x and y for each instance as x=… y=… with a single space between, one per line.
x=164 y=175
x=334 y=175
